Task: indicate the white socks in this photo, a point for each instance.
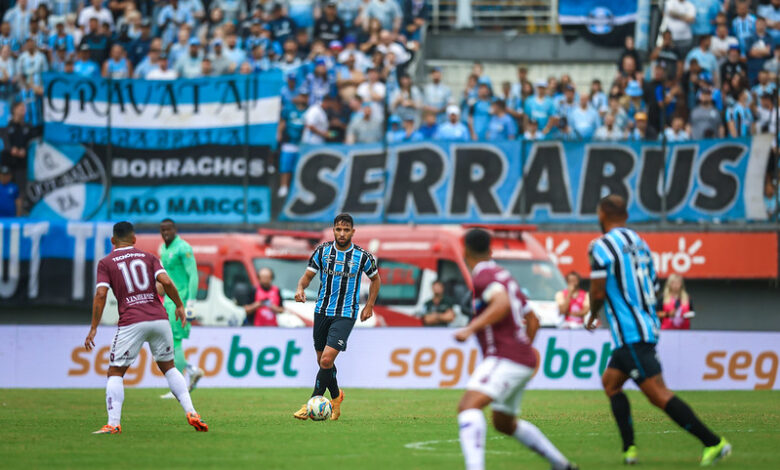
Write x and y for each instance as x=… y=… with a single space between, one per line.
x=179 y=389
x=534 y=439
x=473 y=428
x=115 y=395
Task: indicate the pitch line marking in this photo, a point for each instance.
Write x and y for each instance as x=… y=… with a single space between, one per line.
x=426 y=445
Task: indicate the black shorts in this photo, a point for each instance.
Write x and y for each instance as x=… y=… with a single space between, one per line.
x=638 y=360
x=332 y=331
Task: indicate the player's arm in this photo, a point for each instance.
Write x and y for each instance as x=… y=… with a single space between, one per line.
x=173 y=294
x=498 y=308
x=98 y=305
x=303 y=283
x=373 y=293
x=597 y=294
x=531 y=325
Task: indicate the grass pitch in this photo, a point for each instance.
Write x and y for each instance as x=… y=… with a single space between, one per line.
x=379 y=429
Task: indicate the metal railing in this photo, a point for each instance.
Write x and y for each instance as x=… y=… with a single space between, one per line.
x=528 y=16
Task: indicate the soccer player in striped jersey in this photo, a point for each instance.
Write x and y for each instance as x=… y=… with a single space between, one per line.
x=341 y=265
x=624 y=282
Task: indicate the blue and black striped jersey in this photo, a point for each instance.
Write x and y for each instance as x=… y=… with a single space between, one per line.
x=340 y=274
x=625 y=261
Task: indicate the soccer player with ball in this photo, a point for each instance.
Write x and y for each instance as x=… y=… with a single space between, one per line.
x=341 y=265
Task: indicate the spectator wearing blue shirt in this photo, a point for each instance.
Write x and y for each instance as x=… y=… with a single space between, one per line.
x=772 y=14
x=61 y=38
x=759 y=48
x=289 y=134
x=6 y=39
x=479 y=113
x=453 y=129
x=436 y=95
x=231 y=50
x=677 y=132
x=739 y=118
x=743 y=25
x=408 y=132
x=501 y=126
x=706 y=59
x=540 y=107
x=18 y=18
x=584 y=119
x=172 y=17
x=706 y=11
x=429 y=125
x=388 y=12
x=319 y=83
x=84 y=66
x=532 y=131
x=10 y=198
x=598 y=99
x=763 y=87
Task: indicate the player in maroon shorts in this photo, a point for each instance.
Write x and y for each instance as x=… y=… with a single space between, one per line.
x=131 y=274
x=505 y=326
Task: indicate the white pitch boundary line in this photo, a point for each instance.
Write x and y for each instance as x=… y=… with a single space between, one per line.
x=426 y=445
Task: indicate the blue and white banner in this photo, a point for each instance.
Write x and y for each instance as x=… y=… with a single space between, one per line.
x=538 y=182
x=231 y=110
x=599 y=16
x=207 y=184
x=50 y=262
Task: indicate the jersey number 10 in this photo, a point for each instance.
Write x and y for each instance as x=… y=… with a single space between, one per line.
x=136 y=275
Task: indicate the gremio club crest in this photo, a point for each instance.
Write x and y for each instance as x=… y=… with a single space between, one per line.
x=65 y=182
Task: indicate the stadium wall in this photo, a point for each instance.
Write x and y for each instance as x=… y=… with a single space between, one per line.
x=54 y=357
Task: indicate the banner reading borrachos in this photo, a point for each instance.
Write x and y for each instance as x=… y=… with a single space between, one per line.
x=538 y=182
x=162 y=114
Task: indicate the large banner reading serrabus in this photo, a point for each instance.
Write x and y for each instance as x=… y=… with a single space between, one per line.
x=538 y=182
x=160 y=114
x=381 y=358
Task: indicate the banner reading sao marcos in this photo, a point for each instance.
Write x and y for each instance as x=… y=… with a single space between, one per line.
x=695 y=255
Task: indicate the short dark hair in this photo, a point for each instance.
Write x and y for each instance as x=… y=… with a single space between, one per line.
x=168 y=220
x=478 y=241
x=123 y=230
x=344 y=218
x=574 y=273
x=614 y=206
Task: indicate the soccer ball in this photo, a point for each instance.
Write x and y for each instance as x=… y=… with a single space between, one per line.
x=319 y=408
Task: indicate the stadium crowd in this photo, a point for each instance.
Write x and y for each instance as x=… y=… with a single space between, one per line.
x=346 y=66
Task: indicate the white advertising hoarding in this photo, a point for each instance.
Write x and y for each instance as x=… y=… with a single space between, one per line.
x=54 y=357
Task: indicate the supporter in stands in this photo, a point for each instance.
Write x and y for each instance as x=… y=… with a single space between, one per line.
x=532 y=131
x=706 y=12
x=439 y=310
x=10 y=198
x=406 y=101
x=770 y=199
x=573 y=302
x=676 y=305
x=721 y=42
x=679 y=15
x=744 y=25
x=633 y=102
x=117 y=66
x=453 y=129
x=479 y=113
x=773 y=65
x=84 y=65
x=18 y=19
x=289 y=135
x=598 y=99
x=667 y=57
x=619 y=114
x=315 y=122
x=18 y=136
x=540 y=107
x=706 y=121
x=677 y=132
x=162 y=72
x=7 y=71
x=584 y=119
x=415 y=14
x=759 y=47
x=733 y=65
x=609 y=131
x=94 y=10
x=566 y=103
x=268 y=301
x=387 y=12
x=409 y=132
x=501 y=125
x=436 y=95
x=329 y=27
x=430 y=124
x=641 y=130
x=220 y=63
x=365 y=127
x=373 y=90
x=739 y=117
x=629 y=51
x=706 y=59
x=771 y=12
x=31 y=64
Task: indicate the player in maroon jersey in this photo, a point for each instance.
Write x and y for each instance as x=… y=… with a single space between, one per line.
x=505 y=326
x=131 y=274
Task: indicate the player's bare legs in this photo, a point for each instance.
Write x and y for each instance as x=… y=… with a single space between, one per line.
x=612 y=381
x=179 y=388
x=659 y=395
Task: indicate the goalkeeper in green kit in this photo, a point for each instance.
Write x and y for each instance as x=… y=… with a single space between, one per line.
x=179 y=262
